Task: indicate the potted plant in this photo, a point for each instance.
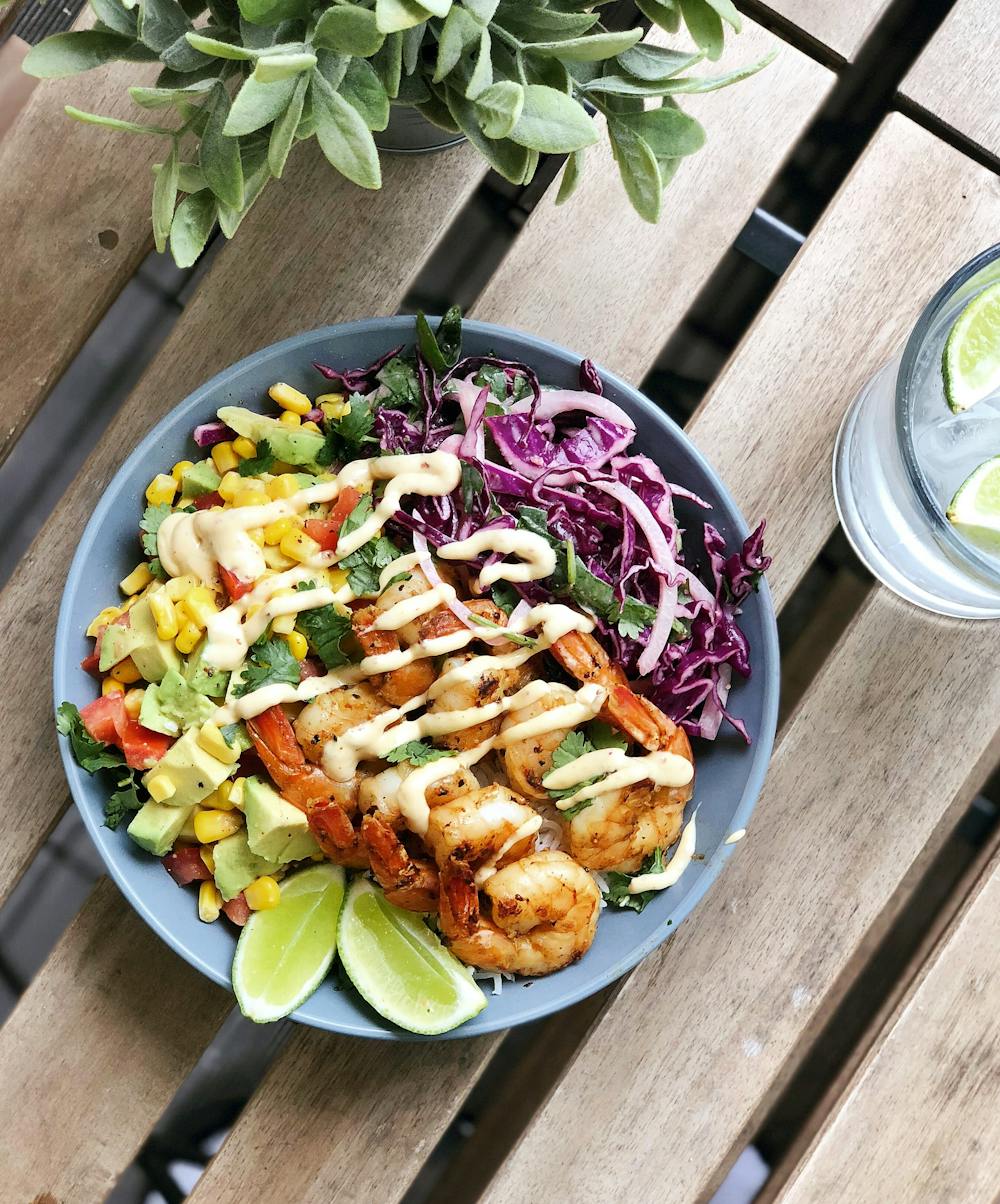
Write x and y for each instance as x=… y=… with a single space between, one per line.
x=242 y=81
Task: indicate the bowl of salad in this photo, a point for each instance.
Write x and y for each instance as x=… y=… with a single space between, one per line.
x=415 y=678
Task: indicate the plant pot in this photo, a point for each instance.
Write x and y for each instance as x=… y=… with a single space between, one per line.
x=410 y=133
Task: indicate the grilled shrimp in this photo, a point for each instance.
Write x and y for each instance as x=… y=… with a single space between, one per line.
x=397 y=686
x=584 y=658
x=408 y=876
x=414 y=583
x=542 y=909
x=481 y=828
x=379 y=793
x=528 y=761
x=330 y=715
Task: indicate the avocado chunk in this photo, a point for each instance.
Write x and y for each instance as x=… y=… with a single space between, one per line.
x=205 y=678
x=200 y=478
x=153 y=657
x=172 y=706
x=236 y=865
x=155 y=826
x=237 y=736
x=275 y=829
x=193 y=772
x=290 y=444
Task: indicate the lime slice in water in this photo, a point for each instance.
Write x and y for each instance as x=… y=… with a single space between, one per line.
x=285 y=953
x=400 y=967
x=971 y=360
x=975 y=508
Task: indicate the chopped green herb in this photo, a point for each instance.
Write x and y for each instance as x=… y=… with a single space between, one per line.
x=326 y=629
x=635 y=617
x=603 y=735
x=617 y=894
x=472 y=484
x=417 y=752
x=123 y=800
x=572 y=746
x=263 y=461
x=402 y=386
x=90 y=754
x=364 y=566
x=397 y=580
x=149 y=524
x=525 y=641
x=157 y=569
x=346 y=436
x=505 y=596
x=269 y=663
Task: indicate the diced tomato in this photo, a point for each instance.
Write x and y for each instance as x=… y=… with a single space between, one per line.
x=105 y=718
x=184 y=864
x=236 y=587
x=326 y=531
x=142 y=746
x=205 y=501
x=90 y=664
x=237 y=910
x=309 y=668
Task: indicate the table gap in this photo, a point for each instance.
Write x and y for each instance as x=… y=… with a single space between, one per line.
x=940 y=129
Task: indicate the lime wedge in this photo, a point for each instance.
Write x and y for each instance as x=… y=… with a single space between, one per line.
x=971 y=360
x=975 y=508
x=284 y=954
x=400 y=967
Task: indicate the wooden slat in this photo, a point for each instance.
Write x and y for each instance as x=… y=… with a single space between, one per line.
x=625 y=332
x=957 y=78
x=878 y=750
x=67 y=191
x=921 y=1119
x=837 y=27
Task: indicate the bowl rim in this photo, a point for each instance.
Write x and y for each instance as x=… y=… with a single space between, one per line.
x=765 y=655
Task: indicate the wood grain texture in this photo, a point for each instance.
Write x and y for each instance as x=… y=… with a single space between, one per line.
x=593 y=276
x=929 y=1086
x=62 y=184
x=957 y=78
x=317 y=251
x=88 y=1049
x=839 y=27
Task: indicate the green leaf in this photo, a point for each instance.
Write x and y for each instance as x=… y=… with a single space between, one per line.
x=193 y=221
x=219 y=154
x=189 y=178
x=90 y=754
x=274 y=67
x=123 y=800
x=418 y=753
x=269 y=663
x=349 y=29
x=394 y=15
x=663 y=13
x=115 y=16
x=413 y=40
x=343 y=136
x=552 y=122
x=590 y=49
x=635 y=618
x=164 y=199
x=624 y=85
x=263 y=461
x=713 y=83
x=115 y=123
x=505 y=596
x=617 y=892
x=161 y=23
x=449 y=335
x=219 y=49
x=255 y=175
x=327 y=629
x=161 y=98
x=363 y=89
x=332 y=67
x=257 y=105
x=705 y=26
x=460 y=32
x=653 y=63
x=482 y=73
x=510 y=160
x=78 y=50
x=499 y=108
x=283 y=131
x=345 y=437
x=532 y=23
x=388 y=64
x=483 y=10
x=270 y=12
x=182 y=58
x=727 y=11
x=437 y=8
x=149 y=524
x=572 y=746
x=603 y=735
x=667 y=132
x=570 y=177
x=364 y=566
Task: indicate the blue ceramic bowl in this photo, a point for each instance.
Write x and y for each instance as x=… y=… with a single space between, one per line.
x=729 y=774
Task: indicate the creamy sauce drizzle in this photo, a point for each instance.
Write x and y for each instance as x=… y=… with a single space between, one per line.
x=676 y=866
x=661 y=768
x=489 y=867
x=736 y=836
x=537 y=556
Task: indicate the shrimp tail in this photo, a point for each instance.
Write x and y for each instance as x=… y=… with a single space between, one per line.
x=336 y=835
x=459 y=900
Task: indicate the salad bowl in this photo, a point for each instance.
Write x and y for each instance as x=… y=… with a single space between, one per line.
x=730 y=772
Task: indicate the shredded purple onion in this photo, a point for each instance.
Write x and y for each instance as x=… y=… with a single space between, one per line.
x=210 y=433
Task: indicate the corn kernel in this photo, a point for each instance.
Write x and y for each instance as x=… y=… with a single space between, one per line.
x=275 y=532
x=230 y=485
x=274 y=558
x=209 y=902
x=138 y=579
x=211 y=739
x=210 y=826
x=282 y=487
x=283 y=625
x=311 y=426
x=133 y=702
x=161 y=787
x=338 y=577
x=245 y=448
x=263 y=894
x=177 y=587
x=297 y=645
x=198 y=605
x=126 y=672
x=208 y=858
x=106 y=616
x=236 y=793
x=224 y=458
x=164 y=615
x=333 y=405
x=187 y=638
x=250 y=495
x=110 y=686
x=220 y=799
x=299 y=546
x=161 y=489
x=287 y=418
x=290 y=400
x=179 y=469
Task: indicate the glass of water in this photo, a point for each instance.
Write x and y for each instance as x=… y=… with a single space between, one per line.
x=901 y=455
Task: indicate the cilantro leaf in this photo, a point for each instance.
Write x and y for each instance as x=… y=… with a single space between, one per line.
x=402 y=386
x=364 y=565
x=472 y=484
x=122 y=801
x=345 y=436
x=157 y=569
x=617 y=894
x=326 y=629
x=634 y=617
x=417 y=752
x=269 y=662
x=90 y=754
x=505 y=596
x=150 y=523
x=493 y=378
x=263 y=461
x=572 y=746
x=603 y=735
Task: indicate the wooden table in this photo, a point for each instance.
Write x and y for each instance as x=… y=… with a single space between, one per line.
x=657 y=1083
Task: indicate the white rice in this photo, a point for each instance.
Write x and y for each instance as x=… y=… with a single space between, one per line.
x=498 y=977
x=552 y=833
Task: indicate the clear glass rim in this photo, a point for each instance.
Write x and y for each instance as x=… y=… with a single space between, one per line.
x=982 y=565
